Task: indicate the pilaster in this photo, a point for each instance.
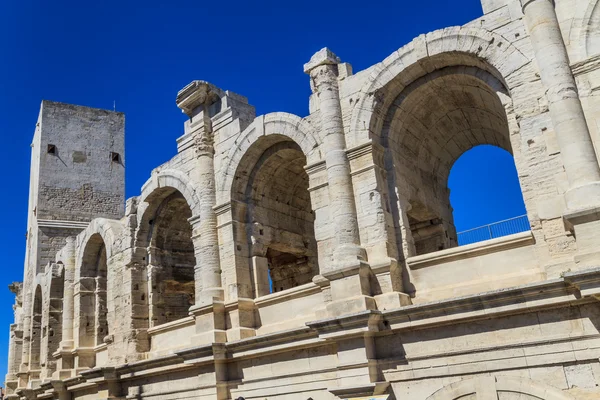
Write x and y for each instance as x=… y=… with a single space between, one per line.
x=582 y=197
x=349 y=274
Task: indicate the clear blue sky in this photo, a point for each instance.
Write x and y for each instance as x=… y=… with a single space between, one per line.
x=140 y=54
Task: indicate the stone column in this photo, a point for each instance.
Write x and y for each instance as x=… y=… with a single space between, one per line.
x=26 y=347
x=566 y=112
x=323 y=71
x=349 y=276
x=195 y=100
x=69 y=297
x=15 y=349
x=14 y=346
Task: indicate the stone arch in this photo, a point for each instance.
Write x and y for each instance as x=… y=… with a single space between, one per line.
x=165 y=246
x=523 y=387
x=91 y=323
x=440 y=83
x=455 y=46
x=474 y=69
x=273 y=219
x=174 y=179
x=109 y=230
x=587 y=27
x=291 y=126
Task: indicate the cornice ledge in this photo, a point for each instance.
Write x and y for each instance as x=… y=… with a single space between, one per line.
x=586 y=281
x=515 y=300
x=142 y=365
x=194 y=354
x=288 y=335
x=374 y=391
x=358 y=323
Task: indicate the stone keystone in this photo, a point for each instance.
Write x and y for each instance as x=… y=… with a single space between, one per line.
x=321 y=57
x=195 y=94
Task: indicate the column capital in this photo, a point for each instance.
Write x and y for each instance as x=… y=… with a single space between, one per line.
x=197 y=94
x=323 y=69
x=321 y=57
x=525 y=3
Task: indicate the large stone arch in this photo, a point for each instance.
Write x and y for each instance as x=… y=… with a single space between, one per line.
x=523 y=388
x=449 y=47
x=109 y=230
x=279 y=123
x=93 y=295
x=165 y=246
x=584 y=35
x=174 y=179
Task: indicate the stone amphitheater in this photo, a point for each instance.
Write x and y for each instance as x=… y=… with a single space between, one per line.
x=278 y=257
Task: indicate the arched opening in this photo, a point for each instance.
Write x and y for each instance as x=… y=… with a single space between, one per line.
x=273 y=217
x=93 y=312
x=592 y=22
x=36 y=330
x=429 y=125
x=500 y=387
x=486 y=196
x=166 y=235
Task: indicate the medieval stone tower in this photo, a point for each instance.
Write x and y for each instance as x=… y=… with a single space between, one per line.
x=282 y=257
x=77 y=174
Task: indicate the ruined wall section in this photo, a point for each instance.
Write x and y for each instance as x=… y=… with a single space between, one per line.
x=84 y=176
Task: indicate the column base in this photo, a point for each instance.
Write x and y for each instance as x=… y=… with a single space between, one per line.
x=64 y=362
x=350 y=289
x=583 y=198
x=351 y=305
x=241 y=317
x=23 y=378
x=392 y=300
x=208 y=297
x=210 y=323
x=84 y=358
x=12 y=384
x=585 y=224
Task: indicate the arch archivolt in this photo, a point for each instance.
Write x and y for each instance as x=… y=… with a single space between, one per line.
x=450 y=47
x=518 y=387
x=173 y=179
x=583 y=38
x=445 y=113
x=275 y=127
x=426 y=105
x=109 y=230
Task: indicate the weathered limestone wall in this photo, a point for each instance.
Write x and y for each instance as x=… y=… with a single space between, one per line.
x=282 y=257
x=84 y=139
x=74 y=179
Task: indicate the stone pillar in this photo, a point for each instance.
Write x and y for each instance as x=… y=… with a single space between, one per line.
x=15 y=349
x=205 y=225
x=349 y=276
x=195 y=100
x=566 y=112
x=24 y=367
x=15 y=346
x=66 y=343
x=323 y=71
x=60 y=390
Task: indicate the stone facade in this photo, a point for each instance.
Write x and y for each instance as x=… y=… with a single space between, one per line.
x=279 y=257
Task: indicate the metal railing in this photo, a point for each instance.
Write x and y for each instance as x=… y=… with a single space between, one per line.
x=497 y=229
